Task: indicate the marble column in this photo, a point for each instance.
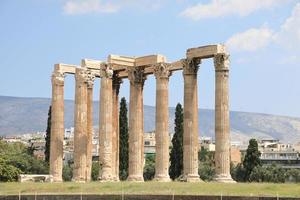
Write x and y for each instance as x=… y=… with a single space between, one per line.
x=80 y=131
x=90 y=129
x=190 y=134
x=136 y=132
x=106 y=128
x=115 y=137
x=57 y=126
x=162 y=73
x=222 y=128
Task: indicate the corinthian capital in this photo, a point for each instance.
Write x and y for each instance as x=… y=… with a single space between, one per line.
x=106 y=70
x=221 y=62
x=136 y=75
x=81 y=76
x=162 y=70
x=58 y=78
x=90 y=79
x=190 y=65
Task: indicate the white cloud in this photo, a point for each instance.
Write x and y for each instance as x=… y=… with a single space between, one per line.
x=250 y=40
x=289 y=34
x=220 y=8
x=78 y=7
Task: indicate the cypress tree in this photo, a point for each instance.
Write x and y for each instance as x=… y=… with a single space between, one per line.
x=48 y=136
x=123 y=148
x=176 y=154
x=252 y=158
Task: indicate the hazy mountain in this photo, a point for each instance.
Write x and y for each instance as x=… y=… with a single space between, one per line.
x=23 y=115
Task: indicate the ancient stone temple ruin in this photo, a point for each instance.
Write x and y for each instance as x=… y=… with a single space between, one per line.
x=136 y=69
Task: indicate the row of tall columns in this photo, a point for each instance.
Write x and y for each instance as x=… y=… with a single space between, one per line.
x=222 y=129
x=162 y=74
x=106 y=126
x=90 y=129
x=116 y=81
x=109 y=128
x=80 y=131
x=190 y=114
x=57 y=126
x=136 y=127
x=83 y=133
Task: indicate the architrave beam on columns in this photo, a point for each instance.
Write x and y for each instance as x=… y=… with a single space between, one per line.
x=208 y=51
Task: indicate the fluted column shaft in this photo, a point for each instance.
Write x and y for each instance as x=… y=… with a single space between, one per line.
x=90 y=130
x=190 y=134
x=80 y=131
x=106 y=129
x=222 y=127
x=57 y=126
x=115 y=137
x=136 y=131
x=161 y=72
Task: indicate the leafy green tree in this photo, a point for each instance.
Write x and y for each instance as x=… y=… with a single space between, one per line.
x=149 y=168
x=271 y=173
x=16 y=158
x=206 y=168
x=123 y=148
x=8 y=173
x=252 y=158
x=48 y=137
x=176 y=154
x=67 y=172
x=293 y=175
x=95 y=171
x=238 y=172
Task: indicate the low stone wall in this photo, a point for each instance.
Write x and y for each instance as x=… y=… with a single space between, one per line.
x=35 y=178
x=136 y=197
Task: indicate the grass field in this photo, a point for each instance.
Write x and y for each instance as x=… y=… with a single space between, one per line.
x=243 y=189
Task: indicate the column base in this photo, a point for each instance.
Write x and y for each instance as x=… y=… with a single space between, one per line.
x=191 y=178
x=56 y=180
x=106 y=179
x=135 y=178
x=78 y=180
x=224 y=179
x=116 y=179
x=162 y=178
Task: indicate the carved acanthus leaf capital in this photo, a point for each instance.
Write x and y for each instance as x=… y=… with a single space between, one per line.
x=136 y=75
x=106 y=70
x=221 y=62
x=190 y=65
x=116 y=82
x=162 y=70
x=58 y=78
x=90 y=79
x=81 y=76
x=116 y=79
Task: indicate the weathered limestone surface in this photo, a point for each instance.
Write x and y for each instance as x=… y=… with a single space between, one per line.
x=162 y=73
x=208 y=51
x=80 y=131
x=106 y=129
x=115 y=137
x=136 y=131
x=57 y=126
x=90 y=85
x=190 y=135
x=222 y=129
x=136 y=69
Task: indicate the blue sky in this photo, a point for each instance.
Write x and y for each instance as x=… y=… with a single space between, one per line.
x=263 y=37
